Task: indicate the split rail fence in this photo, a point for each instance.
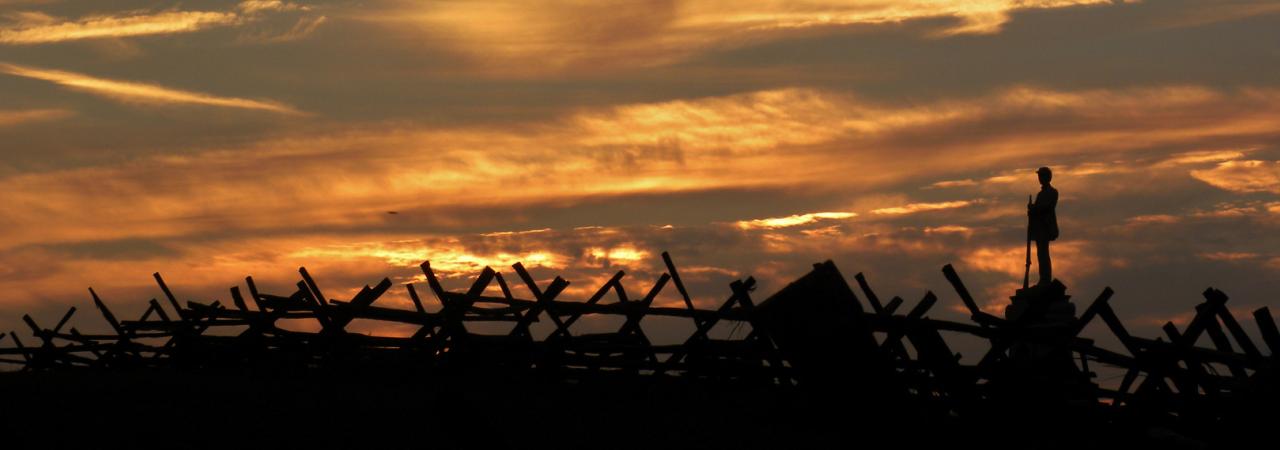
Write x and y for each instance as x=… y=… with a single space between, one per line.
x=1170 y=375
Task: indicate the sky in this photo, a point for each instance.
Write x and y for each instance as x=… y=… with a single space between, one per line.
x=210 y=140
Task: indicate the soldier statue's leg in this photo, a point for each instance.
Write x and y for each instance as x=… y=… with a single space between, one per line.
x=1046 y=267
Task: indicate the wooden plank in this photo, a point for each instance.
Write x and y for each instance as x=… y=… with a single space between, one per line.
x=569 y=308
x=65 y=318
x=1220 y=341
x=1237 y=332
x=1092 y=310
x=312 y=287
x=545 y=301
x=937 y=356
x=75 y=335
x=432 y=282
x=1196 y=368
x=871 y=295
x=632 y=325
x=254 y=294
x=316 y=307
x=675 y=278
x=502 y=283
x=703 y=327
x=892 y=343
x=759 y=335
x=954 y=278
x=1205 y=354
x=453 y=311
x=106 y=314
x=359 y=303
x=173 y=301
x=26 y=356
x=924 y=305
x=417 y=301
x=636 y=314
x=35 y=329
x=1267 y=327
x=595 y=298
x=1117 y=328
x=893 y=305
x=1122 y=393
x=1198 y=323
x=238 y=299
x=155 y=306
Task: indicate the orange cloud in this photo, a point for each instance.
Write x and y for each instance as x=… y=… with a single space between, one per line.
x=1152 y=219
x=1243 y=176
x=953 y=183
x=304 y=27
x=795 y=139
x=1205 y=14
x=625 y=255
x=8 y=118
x=1201 y=157
x=1229 y=256
x=976 y=17
x=949 y=229
x=133 y=92
x=44 y=29
x=791 y=221
x=449 y=257
x=1228 y=210
x=31 y=28
x=1070 y=258
x=257 y=6
x=553 y=38
x=921 y=207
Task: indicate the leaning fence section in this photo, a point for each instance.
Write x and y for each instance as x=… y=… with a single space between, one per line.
x=814 y=331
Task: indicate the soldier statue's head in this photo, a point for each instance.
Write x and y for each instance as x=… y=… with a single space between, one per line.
x=1045 y=175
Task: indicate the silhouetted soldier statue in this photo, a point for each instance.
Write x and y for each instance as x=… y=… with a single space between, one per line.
x=1042 y=225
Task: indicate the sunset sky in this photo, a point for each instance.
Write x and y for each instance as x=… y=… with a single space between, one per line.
x=210 y=140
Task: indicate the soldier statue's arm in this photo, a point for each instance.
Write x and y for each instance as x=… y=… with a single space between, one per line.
x=1046 y=200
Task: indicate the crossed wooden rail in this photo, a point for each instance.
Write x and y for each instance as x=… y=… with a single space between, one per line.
x=1177 y=377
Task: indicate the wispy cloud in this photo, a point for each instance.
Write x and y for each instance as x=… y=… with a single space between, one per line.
x=1208 y=13
x=921 y=207
x=304 y=27
x=794 y=139
x=1153 y=219
x=50 y=29
x=552 y=38
x=975 y=17
x=134 y=92
x=949 y=229
x=15 y=117
x=1202 y=157
x=1243 y=176
x=257 y=6
x=28 y=28
x=952 y=183
x=793 y=220
x=1230 y=256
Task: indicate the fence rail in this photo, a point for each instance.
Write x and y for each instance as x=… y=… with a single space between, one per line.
x=1170 y=375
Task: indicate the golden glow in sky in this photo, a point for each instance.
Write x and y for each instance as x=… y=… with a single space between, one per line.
x=210 y=140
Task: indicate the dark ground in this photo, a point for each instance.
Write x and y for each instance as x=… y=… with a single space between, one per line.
x=402 y=410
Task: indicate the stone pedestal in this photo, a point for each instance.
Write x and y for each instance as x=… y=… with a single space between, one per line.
x=1038 y=386
x=1045 y=316
x=1041 y=304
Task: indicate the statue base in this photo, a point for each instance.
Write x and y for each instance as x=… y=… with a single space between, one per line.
x=1038 y=376
x=1041 y=304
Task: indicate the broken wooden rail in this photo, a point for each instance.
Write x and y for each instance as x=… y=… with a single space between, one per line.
x=1168 y=375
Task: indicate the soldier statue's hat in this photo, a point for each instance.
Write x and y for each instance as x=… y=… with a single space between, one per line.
x=1044 y=170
